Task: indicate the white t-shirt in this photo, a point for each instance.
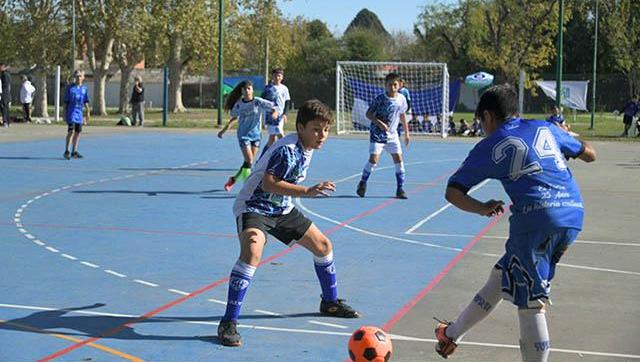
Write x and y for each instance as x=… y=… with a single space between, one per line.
x=26 y=92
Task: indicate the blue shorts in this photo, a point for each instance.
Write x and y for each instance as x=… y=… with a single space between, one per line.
x=245 y=142
x=529 y=264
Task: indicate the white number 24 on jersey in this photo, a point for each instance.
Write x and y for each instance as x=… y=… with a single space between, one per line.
x=544 y=146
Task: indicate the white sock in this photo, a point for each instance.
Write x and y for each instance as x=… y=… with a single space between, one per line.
x=484 y=302
x=534 y=335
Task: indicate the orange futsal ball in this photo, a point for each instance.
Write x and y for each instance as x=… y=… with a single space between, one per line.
x=370 y=344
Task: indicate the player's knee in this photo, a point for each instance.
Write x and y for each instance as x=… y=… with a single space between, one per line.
x=324 y=246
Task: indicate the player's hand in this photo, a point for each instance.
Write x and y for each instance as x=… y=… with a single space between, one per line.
x=274 y=114
x=284 y=118
x=406 y=139
x=323 y=188
x=493 y=208
x=383 y=126
x=221 y=133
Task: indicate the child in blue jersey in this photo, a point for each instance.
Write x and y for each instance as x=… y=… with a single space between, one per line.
x=529 y=159
x=247 y=111
x=265 y=206
x=76 y=99
x=277 y=93
x=385 y=112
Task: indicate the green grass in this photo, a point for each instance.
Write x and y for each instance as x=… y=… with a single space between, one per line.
x=607 y=126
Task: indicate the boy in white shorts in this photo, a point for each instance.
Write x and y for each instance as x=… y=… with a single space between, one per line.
x=385 y=112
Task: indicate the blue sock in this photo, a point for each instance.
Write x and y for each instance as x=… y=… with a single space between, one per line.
x=366 y=172
x=239 y=281
x=400 y=174
x=326 y=272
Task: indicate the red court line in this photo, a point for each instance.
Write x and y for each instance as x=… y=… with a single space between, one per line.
x=218 y=282
x=412 y=303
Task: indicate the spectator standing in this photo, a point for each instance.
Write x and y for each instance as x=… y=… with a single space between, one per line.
x=26 y=97
x=5 y=101
x=137 y=102
x=629 y=111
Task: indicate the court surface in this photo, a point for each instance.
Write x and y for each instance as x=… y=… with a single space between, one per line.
x=124 y=255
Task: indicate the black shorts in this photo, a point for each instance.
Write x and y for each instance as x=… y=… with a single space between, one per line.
x=627 y=119
x=74 y=127
x=286 y=228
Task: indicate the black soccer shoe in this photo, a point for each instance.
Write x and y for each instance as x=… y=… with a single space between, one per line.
x=362 y=188
x=400 y=194
x=75 y=154
x=228 y=334
x=338 y=309
x=67 y=155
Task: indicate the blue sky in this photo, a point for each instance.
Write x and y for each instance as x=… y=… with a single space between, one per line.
x=396 y=15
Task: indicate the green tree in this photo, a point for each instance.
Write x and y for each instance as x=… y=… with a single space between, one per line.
x=44 y=46
x=130 y=45
x=510 y=35
x=620 y=27
x=363 y=45
x=368 y=20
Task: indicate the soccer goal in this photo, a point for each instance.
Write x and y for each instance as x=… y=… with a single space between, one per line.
x=358 y=83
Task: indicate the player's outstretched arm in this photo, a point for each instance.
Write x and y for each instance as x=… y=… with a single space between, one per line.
x=372 y=117
x=589 y=153
x=226 y=127
x=274 y=185
x=467 y=203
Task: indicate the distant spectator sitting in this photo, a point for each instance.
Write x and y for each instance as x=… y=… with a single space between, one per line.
x=476 y=128
x=464 y=129
x=452 y=126
x=414 y=124
x=427 y=126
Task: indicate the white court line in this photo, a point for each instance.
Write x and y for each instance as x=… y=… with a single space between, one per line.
x=262 y=311
x=90 y=265
x=434 y=214
x=355 y=175
x=320 y=332
x=328 y=324
x=178 y=291
x=145 y=283
x=52 y=249
x=38 y=242
x=217 y=301
x=109 y=271
x=70 y=257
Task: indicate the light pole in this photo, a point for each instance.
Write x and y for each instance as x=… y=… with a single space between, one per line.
x=73 y=35
x=595 y=65
x=559 y=59
x=220 y=49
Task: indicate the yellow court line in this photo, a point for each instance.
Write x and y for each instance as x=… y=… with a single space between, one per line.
x=94 y=345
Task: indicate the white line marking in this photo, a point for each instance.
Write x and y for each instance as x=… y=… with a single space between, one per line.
x=18 y=213
x=30 y=201
x=109 y=271
x=598 y=269
x=440 y=210
x=19 y=225
x=45 y=194
x=319 y=332
x=103 y=180
x=267 y=312
x=24 y=206
x=328 y=324
x=16 y=220
x=22 y=230
x=217 y=301
x=178 y=291
x=71 y=257
x=594 y=242
x=145 y=283
x=65 y=187
x=90 y=265
x=55 y=190
x=29 y=236
x=39 y=242
x=78 y=184
x=52 y=249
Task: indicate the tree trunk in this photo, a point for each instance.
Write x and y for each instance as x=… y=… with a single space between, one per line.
x=99 y=85
x=176 y=71
x=125 y=83
x=40 y=96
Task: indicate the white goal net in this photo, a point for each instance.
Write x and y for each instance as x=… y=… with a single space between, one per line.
x=358 y=83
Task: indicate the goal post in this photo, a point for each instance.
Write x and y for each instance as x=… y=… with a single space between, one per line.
x=358 y=83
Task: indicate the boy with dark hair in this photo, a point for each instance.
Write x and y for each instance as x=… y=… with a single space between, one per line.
x=265 y=206
x=76 y=100
x=385 y=112
x=277 y=93
x=529 y=159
